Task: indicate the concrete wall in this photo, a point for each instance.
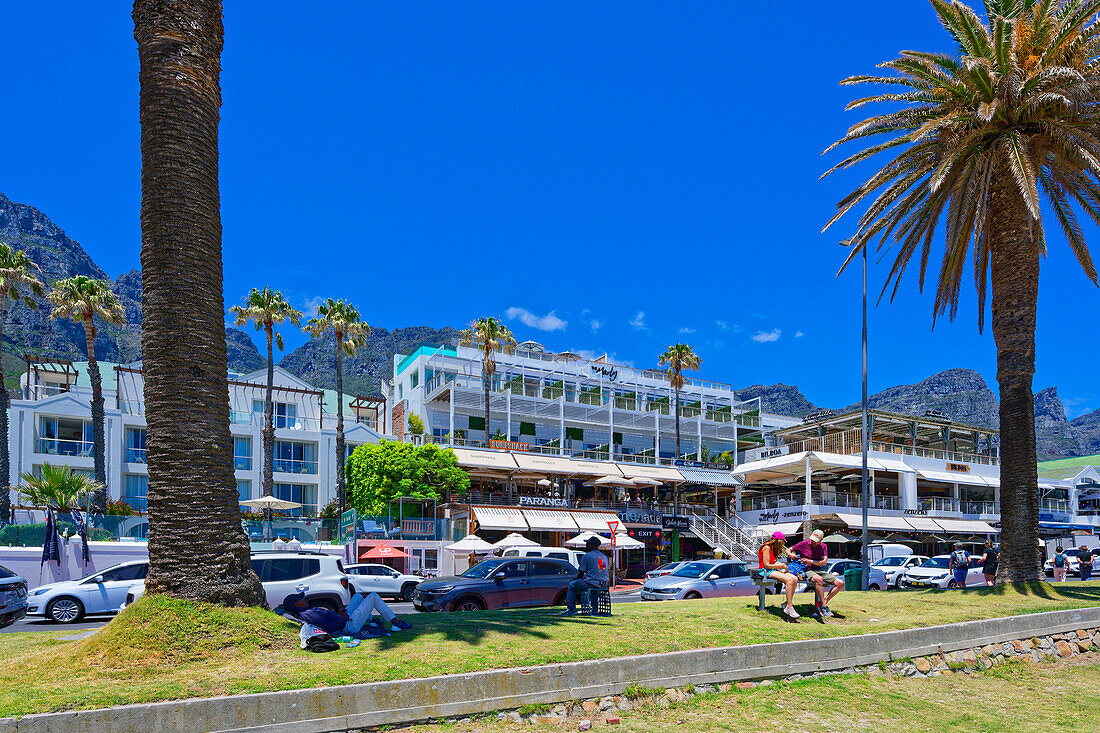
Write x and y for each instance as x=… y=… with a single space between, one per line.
x=401 y=701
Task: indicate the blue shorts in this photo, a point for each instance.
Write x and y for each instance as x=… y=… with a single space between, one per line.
x=960 y=575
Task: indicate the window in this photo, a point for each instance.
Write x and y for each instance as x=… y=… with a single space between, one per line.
x=477 y=423
x=738 y=571
x=285 y=415
x=244 y=489
x=304 y=494
x=135 y=445
x=515 y=570
x=242 y=453
x=292 y=569
x=292 y=457
x=549 y=568
x=559 y=555
x=414 y=380
x=574 y=434
x=64 y=436
x=431 y=559
x=135 y=490
x=528 y=428
x=126 y=572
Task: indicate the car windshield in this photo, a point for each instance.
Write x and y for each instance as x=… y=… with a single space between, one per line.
x=693 y=570
x=889 y=562
x=937 y=562
x=483 y=569
x=5 y=573
x=667 y=567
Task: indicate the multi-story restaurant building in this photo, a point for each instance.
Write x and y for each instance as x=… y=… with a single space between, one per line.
x=51 y=423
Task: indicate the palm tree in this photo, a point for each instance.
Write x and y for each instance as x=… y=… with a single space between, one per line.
x=83 y=299
x=197 y=548
x=984 y=138
x=267 y=308
x=677 y=358
x=351 y=332
x=16 y=278
x=488 y=335
x=58 y=487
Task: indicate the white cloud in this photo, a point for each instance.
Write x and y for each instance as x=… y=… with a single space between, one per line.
x=638 y=321
x=593 y=355
x=799 y=335
x=309 y=306
x=724 y=326
x=685 y=330
x=596 y=325
x=764 y=337
x=549 y=322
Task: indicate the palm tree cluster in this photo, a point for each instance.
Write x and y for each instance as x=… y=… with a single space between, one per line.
x=58 y=487
x=488 y=335
x=984 y=141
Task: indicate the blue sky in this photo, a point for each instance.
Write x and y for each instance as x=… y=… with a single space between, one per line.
x=611 y=177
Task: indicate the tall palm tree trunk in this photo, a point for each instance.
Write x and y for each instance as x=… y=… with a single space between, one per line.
x=99 y=448
x=341 y=499
x=676 y=487
x=197 y=548
x=1015 y=282
x=5 y=456
x=268 y=435
x=487 y=378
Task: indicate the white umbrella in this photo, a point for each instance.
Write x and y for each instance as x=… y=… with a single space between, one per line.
x=471 y=543
x=583 y=537
x=515 y=540
x=623 y=541
x=643 y=481
x=545 y=483
x=611 y=481
x=270 y=502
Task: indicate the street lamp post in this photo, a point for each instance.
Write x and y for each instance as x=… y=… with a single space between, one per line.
x=865 y=498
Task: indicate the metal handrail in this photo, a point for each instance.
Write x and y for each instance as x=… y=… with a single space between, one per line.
x=64 y=447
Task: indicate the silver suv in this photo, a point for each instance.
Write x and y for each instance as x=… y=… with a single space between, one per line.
x=318 y=576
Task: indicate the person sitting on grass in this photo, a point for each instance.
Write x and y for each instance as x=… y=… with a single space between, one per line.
x=815 y=555
x=772 y=567
x=351 y=620
x=592 y=573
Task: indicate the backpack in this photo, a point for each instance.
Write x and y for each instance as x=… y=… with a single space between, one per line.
x=321 y=643
x=1060 y=560
x=962 y=558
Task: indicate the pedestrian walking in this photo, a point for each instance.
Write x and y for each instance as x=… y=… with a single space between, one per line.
x=1085 y=557
x=990 y=560
x=1059 y=562
x=959 y=565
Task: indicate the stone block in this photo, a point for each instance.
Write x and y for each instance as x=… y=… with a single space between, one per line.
x=1064 y=649
x=585 y=725
x=590 y=706
x=1080 y=632
x=923 y=665
x=745 y=685
x=725 y=686
x=612 y=720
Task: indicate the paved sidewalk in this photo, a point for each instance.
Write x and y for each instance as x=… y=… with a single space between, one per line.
x=626 y=586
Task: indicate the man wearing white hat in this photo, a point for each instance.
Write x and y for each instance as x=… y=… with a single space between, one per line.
x=816 y=555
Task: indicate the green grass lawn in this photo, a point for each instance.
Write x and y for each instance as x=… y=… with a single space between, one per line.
x=1011 y=698
x=160 y=649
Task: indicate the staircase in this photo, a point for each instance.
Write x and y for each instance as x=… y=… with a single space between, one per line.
x=738 y=541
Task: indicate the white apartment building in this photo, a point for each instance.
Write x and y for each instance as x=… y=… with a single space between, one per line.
x=52 y=423
x=562 y=404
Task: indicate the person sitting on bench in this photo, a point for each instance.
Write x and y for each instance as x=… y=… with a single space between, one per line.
x=816 y=556
x=592 y=573
x=772 y=567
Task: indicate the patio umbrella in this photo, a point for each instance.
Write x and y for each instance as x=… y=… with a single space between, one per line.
x=471 y=543
x=839 y=537
x=270 y=502
x=623 y=541
x=545 y=483
x=643 y=481
x=515 y=540
x=583 y=537
x=383 y=551
x=611 y=481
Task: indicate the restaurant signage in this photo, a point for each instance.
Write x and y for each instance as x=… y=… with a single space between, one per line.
x=509 y=445
x=640 y=516
x=670 y=522
x=918 y=512
x=543 y=501
x=958 y=467
x=610 y=373
x=645 y=534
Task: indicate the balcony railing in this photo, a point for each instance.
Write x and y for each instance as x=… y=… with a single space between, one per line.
x=937 y=504
x=136 y=455
x=817 y=498
x=242 y=463
x=981 y=507
x=1060 y=506
x=61 y=447
x=286 y=465
x=850 y=442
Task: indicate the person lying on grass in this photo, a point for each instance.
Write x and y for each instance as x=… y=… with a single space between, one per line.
x=350 y=621
x=772 y=567
x=814 y=553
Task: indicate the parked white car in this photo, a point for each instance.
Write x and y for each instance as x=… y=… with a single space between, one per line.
x=1073 y=565
x=936 y=573
x=667 y=569
x=896 y=566
x=876 y=578
x=318 y=576
x=104 y=592
x=383 y=580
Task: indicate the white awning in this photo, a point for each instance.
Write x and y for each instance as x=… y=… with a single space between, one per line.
x=595 y=468
x=794 y=464
x=954 y=477
x=924 y=524
x=965 y=526
x=660 y=473
x=890 y=524
x=539 y=463
x=710 y=477
x=595 y=521
x=550 y=520
x=491 y=459
x=496 y=517
x=787 y=528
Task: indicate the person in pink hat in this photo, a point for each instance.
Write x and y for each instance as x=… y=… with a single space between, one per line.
x=772 y=567
x=814 y=553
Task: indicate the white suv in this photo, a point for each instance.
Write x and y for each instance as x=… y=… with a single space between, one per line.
x=381 y=579
x=318 y=576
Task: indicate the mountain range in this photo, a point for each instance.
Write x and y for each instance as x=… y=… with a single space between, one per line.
x=961 y=394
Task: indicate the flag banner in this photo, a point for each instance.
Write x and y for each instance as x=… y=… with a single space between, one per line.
x=51 y=551
x=82 y=531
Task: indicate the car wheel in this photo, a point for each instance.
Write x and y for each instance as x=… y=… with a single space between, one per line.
x=465 y=605
x=874 y=586
x=407 y=591
x=65 y=610
x=693 y=596
x=952 y=584
x=559 y=600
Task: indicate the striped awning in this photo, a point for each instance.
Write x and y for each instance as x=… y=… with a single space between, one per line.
x=550 y=520
x=498 y=517
x=711 y=477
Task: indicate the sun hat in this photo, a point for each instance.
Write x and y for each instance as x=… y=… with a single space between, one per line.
x=779 y=536
x=817 y=535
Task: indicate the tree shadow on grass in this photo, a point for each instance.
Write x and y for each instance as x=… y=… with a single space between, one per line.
x=472 y=627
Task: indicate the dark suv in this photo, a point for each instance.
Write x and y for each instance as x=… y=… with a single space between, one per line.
x=13 y=597
x=498 y=583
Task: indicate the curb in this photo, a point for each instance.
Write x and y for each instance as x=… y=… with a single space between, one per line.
x=320 y=710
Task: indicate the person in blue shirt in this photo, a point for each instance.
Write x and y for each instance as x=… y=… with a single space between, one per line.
x=592 y=573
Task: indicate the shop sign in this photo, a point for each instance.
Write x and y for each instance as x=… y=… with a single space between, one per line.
x=917 y=512
x=772 y=452
x=671 y=522
x=961 y=467
x=790 y=515
x=769 y=517
x=644 y=534
x=640 y=516
x=509 y=445
x=543 y=501
x=609 y=373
